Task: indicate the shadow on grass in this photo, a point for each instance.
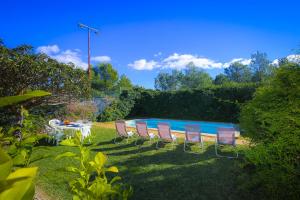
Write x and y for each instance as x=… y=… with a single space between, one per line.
x=119 y=146
x=105 y=142
x=45 y=142
x=173 y=174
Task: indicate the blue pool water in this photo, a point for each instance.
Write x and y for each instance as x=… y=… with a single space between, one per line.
x=179 y=125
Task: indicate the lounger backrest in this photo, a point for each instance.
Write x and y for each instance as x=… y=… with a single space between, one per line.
x=141 y=128
x=226 y=136
x=192 y=133
x=121 y=127
x=164 y=131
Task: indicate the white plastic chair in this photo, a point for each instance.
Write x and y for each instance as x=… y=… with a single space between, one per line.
x=54 y=122
x=59 y=133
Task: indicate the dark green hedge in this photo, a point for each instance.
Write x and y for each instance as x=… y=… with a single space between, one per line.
x=219 y=103
x=211 y=104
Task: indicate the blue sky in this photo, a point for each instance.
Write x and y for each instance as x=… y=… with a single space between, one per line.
x=141 y=38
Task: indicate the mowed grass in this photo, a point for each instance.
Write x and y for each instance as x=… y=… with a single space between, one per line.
x=167 y=173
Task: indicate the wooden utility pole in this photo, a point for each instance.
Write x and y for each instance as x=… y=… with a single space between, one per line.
x=89 y=29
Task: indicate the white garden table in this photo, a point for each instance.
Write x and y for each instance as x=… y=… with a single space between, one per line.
x=85 y=129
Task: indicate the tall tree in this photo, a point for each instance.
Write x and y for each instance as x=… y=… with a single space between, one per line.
x=195 y=78
x=238 y=72
x=260 y=66
x=221 y=79
x=124 y=82
x=104 y=77
x=167 y=82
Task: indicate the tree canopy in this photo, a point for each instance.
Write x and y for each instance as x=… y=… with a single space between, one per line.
x=191 y=78
x=195 y=78
x=105 y=80
x=166 y=82
x=22 y=70
x=260 y=66
x=237 y=72
x=124 y=82
x=221 y=79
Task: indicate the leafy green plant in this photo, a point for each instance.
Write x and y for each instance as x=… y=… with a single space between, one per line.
x=272 y=121
x=12 y=100
x=20 y=147
x=92 y=182
x=18 y=184
x=19 y=140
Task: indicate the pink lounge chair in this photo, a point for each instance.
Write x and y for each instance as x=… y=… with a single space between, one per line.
x=121 y=131
x=225 y=136
x=142 y=131
x=192 y=135
x=164 y=133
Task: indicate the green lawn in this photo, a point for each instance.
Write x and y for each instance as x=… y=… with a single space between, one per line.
x=167 y=173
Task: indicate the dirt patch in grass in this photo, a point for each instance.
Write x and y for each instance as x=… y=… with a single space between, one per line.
x=41 y=195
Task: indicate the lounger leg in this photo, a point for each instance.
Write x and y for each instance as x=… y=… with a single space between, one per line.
x=184 y=145
x=216 y=150
x=220 y=156
x=136 y=141
x=202 y=144
x=115 y=140
x=174 y=143
x=157 y=144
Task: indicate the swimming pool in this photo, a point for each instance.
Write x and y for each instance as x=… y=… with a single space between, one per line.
x=209 y=128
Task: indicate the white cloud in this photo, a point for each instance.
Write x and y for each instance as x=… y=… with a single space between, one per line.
x=243 y=61
x=158 y=54
x=177 y=61
x=275 y=62
x=294 y=58
x=70 y=56
x=50 y=49
x=102 y=59
x=180 y=61
x=143 y=64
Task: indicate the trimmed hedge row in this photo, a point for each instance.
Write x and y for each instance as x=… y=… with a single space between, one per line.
x=219 y=103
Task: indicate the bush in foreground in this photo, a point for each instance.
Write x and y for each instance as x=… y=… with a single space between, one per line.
x=272 y=121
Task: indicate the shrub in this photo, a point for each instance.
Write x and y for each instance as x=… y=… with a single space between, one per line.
x=120 y=108
x=272 y=121
x=81 y=110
